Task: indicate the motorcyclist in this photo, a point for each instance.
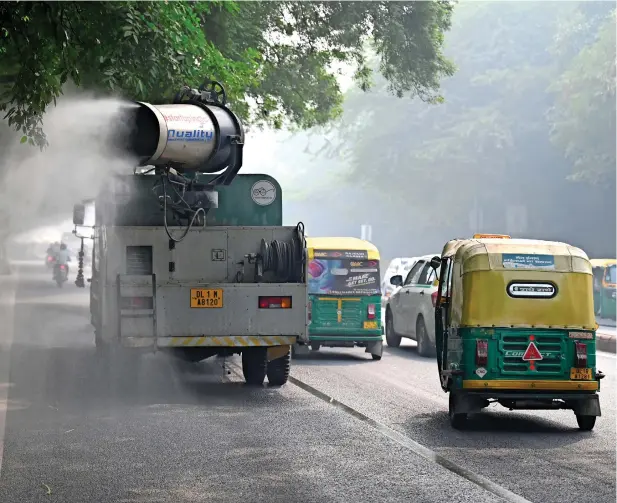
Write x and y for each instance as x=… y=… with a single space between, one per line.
x=52 y=249
x=63 y=257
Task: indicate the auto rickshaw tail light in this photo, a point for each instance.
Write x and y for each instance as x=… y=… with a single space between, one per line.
x=370 y=312
x=481 y=352
x=581 y=354
x=309 y=312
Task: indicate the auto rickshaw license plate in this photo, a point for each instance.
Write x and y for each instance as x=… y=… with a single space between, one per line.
x=577 y=374
x=370 y=324
x=206 y=297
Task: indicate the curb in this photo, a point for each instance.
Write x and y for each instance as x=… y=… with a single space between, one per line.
x=606 y=343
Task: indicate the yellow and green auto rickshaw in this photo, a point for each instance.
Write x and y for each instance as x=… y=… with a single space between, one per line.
x=515 y=325
x=344 y=295
x=604 y=286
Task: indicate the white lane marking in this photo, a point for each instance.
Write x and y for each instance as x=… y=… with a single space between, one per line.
x=8 y=289
x=414 y=446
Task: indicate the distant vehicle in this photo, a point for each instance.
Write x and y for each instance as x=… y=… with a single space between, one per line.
x=410 y=311
x=399 y=265
x=344 y=294
x=604 y=283
x=61 y=274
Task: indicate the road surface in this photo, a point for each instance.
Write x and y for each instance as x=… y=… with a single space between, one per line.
x=347 y=429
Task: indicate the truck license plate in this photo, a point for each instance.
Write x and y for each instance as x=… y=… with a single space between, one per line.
x=370 y=324
x=580 y=374
x=206 y=297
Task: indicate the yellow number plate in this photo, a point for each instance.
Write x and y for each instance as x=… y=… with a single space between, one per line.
x=370 y=324
x=580 y=374
x=205 y=297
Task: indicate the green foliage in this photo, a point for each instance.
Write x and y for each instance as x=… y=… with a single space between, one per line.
x=277 y=60
x=491 y=139
x=583 y=116
x=142 y=49
x=303 y=44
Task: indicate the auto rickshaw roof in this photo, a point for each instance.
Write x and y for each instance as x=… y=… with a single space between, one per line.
x=602 y=262
x=467 y=252
x=343 y=243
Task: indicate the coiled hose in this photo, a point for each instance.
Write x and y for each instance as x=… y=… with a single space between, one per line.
x=285 y=258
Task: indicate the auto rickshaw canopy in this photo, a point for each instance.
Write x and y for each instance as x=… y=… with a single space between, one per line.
x=341 y=243
x=484 y=271
x=602 y=262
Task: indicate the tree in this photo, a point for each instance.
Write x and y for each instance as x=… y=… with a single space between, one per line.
x=140 y=49
x=275 y=58
x=529 y=104
x=583 y=116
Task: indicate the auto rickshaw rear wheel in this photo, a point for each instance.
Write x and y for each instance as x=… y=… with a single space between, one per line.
x=586 y=423
x=457 y=421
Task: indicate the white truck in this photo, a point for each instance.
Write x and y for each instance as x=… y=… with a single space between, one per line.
x=191 y=258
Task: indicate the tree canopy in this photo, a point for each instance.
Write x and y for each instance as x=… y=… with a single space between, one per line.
x=513 y=89
x=525 y=139
x=277 y=60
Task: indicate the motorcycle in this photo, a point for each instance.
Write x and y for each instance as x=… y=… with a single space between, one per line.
x=61 y=274
x=50 y=261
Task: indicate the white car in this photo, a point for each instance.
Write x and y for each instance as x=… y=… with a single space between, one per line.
x=410 y=310
x=399 y=265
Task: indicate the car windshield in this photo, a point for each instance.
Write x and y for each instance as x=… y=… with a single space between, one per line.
x=344 y=276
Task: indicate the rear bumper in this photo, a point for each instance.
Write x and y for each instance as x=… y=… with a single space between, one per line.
x=529 y=385
x=345 y=338
x=344 y=334
x=231 y=341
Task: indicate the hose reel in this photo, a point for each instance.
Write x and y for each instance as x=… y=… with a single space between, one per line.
x=286 y=259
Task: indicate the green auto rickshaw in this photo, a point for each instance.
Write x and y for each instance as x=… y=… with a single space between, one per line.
x=515 y=325
x=604 y=283
x=344 y=295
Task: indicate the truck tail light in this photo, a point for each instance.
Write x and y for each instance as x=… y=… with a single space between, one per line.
x=434 y=298
x=581 y=354
x=274 y=302
x=481 y=352
x=370 y=312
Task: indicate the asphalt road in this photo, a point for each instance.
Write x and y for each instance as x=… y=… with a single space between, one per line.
x=158 y=433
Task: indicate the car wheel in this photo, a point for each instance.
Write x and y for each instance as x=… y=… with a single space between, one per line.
x=393 y=340
x=425 y=347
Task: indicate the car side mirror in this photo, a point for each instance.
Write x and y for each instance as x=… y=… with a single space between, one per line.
x=79 y=214
x=396 y=280
x=435 y=262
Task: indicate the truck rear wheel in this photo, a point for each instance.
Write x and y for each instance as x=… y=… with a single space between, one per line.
x=254 y=365
x=278 y=370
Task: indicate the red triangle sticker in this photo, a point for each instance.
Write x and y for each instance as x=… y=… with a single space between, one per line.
x=532 y=353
